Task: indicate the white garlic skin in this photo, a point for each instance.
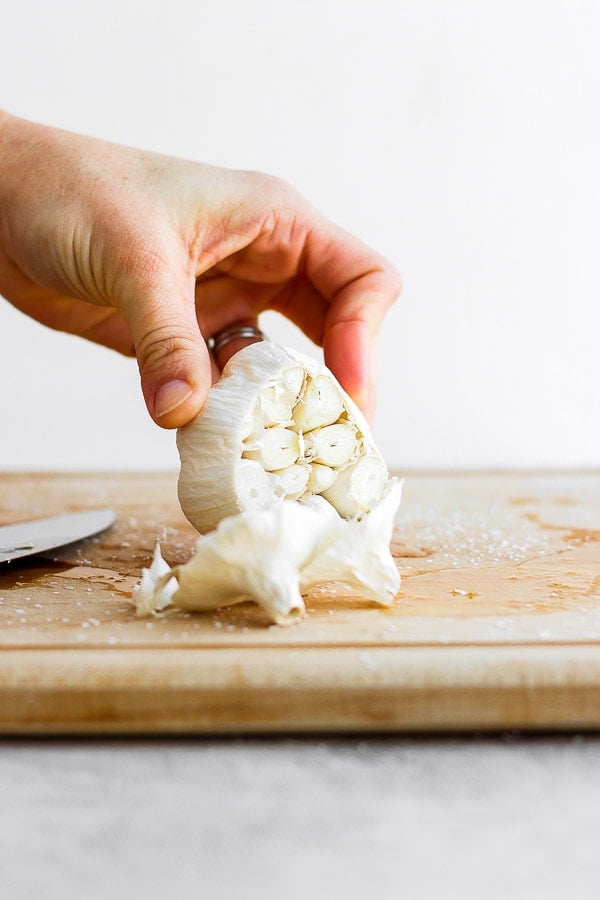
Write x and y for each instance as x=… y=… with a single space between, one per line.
x=273 y=555
x=215 y=480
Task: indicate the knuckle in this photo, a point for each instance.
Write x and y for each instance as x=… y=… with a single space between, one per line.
x=161 y=344
x=388 y=281
x=275 y=192
x=395 y=280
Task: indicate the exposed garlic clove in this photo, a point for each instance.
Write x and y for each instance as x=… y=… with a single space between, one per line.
x=277 y=448
x=321 y=477
x=333 y=445
x=275 y=409
x=252 y=488
x=290 y=483
x=358 y=488
x=291 y=384
x=321 y=404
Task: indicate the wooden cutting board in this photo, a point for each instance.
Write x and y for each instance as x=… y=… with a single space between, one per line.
x=497 y=624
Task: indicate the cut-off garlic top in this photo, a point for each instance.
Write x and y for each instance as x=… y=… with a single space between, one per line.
x=277 y=426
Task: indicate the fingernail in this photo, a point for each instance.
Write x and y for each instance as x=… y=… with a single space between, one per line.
x=171 y=395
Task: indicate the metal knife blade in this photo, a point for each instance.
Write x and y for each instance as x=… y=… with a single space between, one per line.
x=40 y=535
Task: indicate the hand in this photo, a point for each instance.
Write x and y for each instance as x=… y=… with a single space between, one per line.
x=150 y=255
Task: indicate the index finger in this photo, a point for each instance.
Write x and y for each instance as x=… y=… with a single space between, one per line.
x=360 y=286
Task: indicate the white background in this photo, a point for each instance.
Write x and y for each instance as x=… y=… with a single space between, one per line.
x=462 y=139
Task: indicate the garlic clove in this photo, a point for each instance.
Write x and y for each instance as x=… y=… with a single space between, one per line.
x=321 y=477
x=358 y=487
x=291 y=482
x=332 y=445
x=321 y=404
x=276 y=448
x=291 y=383
x=275 y=409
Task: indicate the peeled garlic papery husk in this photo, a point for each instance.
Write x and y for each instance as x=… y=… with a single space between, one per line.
x=273 y=415
x=360 y=557
x=271 y=556
x=155 y=590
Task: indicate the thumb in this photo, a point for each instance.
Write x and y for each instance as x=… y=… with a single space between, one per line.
x=172 y=356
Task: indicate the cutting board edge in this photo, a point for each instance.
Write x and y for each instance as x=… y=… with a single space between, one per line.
x=86 y=692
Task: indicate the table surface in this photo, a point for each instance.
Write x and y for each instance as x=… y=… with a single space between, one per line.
x=466 y=818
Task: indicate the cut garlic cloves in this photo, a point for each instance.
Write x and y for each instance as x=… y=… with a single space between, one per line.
x=333 y=445
x=358 y=487
x=290 y=482
x=292 y=382
x=276 y=448
x=320 y=405
x=272 y=408
x=276 y=410
x=320 y=478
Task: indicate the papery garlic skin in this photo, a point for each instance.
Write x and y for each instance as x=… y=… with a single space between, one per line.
x=360 y=557
x=270 y=556
x=156 y=589
x=257 y=556
x=274 y=409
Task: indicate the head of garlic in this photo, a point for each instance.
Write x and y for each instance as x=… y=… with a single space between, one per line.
x=272 y=555
x=281 y=475
x=277 y=426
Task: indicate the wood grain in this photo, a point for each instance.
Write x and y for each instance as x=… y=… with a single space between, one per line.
x=497 y=624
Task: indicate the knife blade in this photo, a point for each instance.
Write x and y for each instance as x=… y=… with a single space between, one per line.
x=40 y=535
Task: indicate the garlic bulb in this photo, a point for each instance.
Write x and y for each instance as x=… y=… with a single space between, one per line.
x=271 y=555
x=276 y=426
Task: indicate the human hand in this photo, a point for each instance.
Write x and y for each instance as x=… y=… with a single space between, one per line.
x=151 y=255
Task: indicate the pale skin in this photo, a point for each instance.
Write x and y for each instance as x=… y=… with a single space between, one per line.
x=151 y=256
